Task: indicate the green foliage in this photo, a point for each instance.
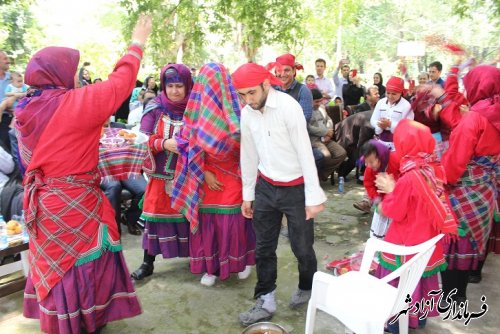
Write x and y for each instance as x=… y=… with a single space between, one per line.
x=177 y=27
x=257 y=23
x=466 y=8
x=18 y=31
x=181 y=26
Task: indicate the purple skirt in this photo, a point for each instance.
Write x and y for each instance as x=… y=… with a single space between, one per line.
x=425 y=285
x=461 y=254
x=223 y=244
x=87 y=298
x=168 y=239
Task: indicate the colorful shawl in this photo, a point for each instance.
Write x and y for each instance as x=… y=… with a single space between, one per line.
x=51 y=73
x=415 y=145
x=211 y=125
x=474 y=198
x=162 y=163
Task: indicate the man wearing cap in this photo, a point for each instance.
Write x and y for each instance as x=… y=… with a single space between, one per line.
x=286 y=70
x=390 y=110
x=320 y=129
x=279 y=177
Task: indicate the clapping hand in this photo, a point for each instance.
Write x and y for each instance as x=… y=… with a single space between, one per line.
x=385 y=183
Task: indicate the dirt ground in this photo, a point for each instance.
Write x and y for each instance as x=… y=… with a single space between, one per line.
x=174 y=301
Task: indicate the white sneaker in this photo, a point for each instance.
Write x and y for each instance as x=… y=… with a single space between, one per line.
x=245 y=273
x=208 y=280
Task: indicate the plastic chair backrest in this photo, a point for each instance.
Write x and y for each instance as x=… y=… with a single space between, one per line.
x=410 y=272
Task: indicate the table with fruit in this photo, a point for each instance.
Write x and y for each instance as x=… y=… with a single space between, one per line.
x=121 y=153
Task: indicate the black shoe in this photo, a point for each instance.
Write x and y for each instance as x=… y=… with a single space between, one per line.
x=133 y=229
x=144 y=270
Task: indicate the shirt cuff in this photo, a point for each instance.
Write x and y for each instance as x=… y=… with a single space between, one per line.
x=315 y=198
x=249 y=195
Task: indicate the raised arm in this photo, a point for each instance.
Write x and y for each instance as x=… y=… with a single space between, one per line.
x=108 y=95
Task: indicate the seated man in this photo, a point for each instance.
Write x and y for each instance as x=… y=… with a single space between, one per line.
x=11 y=191
x=320 y=129
x=113 y=191
x=351 y=134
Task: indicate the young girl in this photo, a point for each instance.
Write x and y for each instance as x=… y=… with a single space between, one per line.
x=310 y=82
x=378 y=159
x=419 y=210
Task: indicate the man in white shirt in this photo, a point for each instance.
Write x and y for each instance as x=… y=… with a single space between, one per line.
x=341 y=81
x=324 y=84
x=279 y=177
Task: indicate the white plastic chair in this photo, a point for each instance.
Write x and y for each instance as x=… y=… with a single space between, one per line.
x=363 y=302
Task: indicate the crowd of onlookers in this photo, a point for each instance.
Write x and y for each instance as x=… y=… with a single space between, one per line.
x=339 y=115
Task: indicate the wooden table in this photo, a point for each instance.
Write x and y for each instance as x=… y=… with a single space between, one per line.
x=19 y=283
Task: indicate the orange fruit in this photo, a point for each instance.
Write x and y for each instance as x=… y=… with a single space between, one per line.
x=12 y=224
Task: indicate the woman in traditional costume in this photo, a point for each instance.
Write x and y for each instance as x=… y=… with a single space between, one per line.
x=472 y=168
x=208 y=188
x=419 y=210
x=78 y=279
x=166 y=231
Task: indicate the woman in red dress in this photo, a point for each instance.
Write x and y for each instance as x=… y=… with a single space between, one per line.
x=208 y=188
x=166 y=231
x=78 y=279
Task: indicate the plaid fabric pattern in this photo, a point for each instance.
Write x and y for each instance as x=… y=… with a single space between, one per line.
x=123 y=162
x=62 y=217
x=473 y=198
x=211 y=126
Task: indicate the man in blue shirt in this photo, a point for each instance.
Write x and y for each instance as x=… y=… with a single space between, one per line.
x=341 y=81
x=286 y=70
x=4 y=73
x=435 y=69
x=4 y=82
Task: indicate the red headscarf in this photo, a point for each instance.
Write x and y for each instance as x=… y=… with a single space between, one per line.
x=483 y=91
x=251 y=75
x=287 y=59
x=395 y=84
x=52 y=72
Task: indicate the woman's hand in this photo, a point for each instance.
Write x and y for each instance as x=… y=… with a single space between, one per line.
x=170 y=145
x=385 y=183
x=212 y=182
x=142 y=29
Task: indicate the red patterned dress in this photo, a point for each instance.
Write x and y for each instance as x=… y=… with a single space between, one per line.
x=78 y=278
